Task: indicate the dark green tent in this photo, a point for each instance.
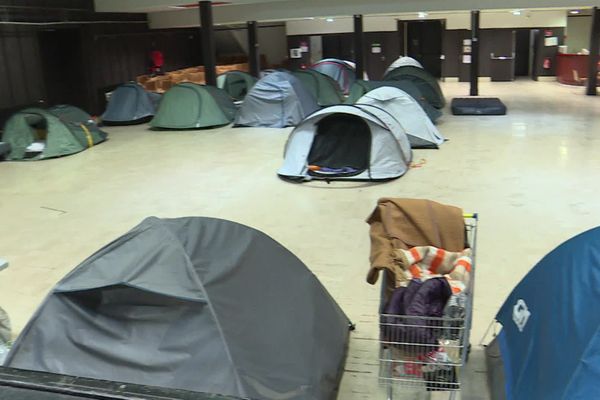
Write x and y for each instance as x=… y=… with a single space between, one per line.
x=360 y=88
x=59 y=131
x=236 y=83
x=189 y=105
x=426 y=83
x=322 y=87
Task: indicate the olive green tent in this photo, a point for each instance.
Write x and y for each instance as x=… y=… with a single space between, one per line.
x=236 y=83
x=426 y=83
x=36 y=134
x=360 y=88
x=322 y=87
x=189 y=105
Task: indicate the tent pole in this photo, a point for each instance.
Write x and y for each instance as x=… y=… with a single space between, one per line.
x=359 y=48
x=208 y=42
x=474 y=53
x=593 y=58
x=253 y=49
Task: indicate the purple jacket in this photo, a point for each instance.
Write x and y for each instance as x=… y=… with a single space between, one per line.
x=413 y=305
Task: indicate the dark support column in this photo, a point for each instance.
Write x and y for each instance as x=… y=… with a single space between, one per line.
x=208 y=43
x=400 y=28
x=253 y=50
x=359 y=46
x=593 y=57
x=474 y=53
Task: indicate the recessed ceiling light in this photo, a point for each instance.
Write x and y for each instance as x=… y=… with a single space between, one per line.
x=574 y=12
x=422 y=14
x=329 y=19
x=310 y=18
x=516 y=12
x=178 y=7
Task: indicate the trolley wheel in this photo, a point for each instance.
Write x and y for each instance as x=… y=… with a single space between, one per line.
x=351 y=326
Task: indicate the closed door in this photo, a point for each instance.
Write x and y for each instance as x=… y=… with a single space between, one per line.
x=382 y=49
x=501 y=53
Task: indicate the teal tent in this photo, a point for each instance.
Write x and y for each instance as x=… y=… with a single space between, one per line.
x=427 y=83
x=189 y=105
x=35 y=133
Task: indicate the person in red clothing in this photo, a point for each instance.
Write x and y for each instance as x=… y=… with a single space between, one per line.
x=156 y=62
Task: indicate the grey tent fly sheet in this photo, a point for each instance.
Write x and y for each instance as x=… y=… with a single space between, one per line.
x=130 y=104
x=199 y=304
x=347 y=142
x=276 y=101
x=421 y=132
x=403 y=61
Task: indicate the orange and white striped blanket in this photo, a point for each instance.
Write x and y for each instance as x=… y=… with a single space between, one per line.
x=426 y=262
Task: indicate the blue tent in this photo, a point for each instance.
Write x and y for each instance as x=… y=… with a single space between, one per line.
x=550 y=340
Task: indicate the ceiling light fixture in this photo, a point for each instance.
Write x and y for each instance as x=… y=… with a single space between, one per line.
x=574 y=12
x=329 y=19
x=422 y=14
x=516 y=12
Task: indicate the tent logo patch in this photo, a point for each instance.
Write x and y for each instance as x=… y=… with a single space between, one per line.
x=521 y=314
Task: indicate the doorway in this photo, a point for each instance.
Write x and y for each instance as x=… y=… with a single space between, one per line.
x=62 y=62
x=522 y=52
x=423 y=42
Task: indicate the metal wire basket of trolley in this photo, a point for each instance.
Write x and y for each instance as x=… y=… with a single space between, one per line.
x=426 y=296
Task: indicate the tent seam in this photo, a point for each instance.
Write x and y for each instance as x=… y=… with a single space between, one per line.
x=212 y=310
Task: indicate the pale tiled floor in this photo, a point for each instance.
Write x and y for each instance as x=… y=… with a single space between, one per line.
x=531 y=175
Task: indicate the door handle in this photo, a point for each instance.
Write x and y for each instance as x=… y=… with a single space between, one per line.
x=493 y=57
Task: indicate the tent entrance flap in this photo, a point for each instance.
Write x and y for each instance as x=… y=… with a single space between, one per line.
x=39 y=130
x=341 y=146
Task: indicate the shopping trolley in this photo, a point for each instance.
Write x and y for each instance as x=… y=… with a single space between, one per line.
x=424 y=353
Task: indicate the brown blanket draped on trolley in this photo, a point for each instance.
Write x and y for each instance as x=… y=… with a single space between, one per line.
x=406 y=223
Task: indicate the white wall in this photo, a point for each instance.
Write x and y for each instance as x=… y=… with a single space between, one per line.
x=527 y=19
x=456 y=20
x=278 y=10
x=579 y=30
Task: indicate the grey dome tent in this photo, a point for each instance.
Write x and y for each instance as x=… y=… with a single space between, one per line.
x=199 y=304
x=421 y=132
x=403 y=61
x=276 y=101
x=351 y=142
x=236 y=83
x=189 y=105
x=341 y=71
x=427 y=84
x=130 y=104
x=322 y=87
x=35 y=133
x=361 y=87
